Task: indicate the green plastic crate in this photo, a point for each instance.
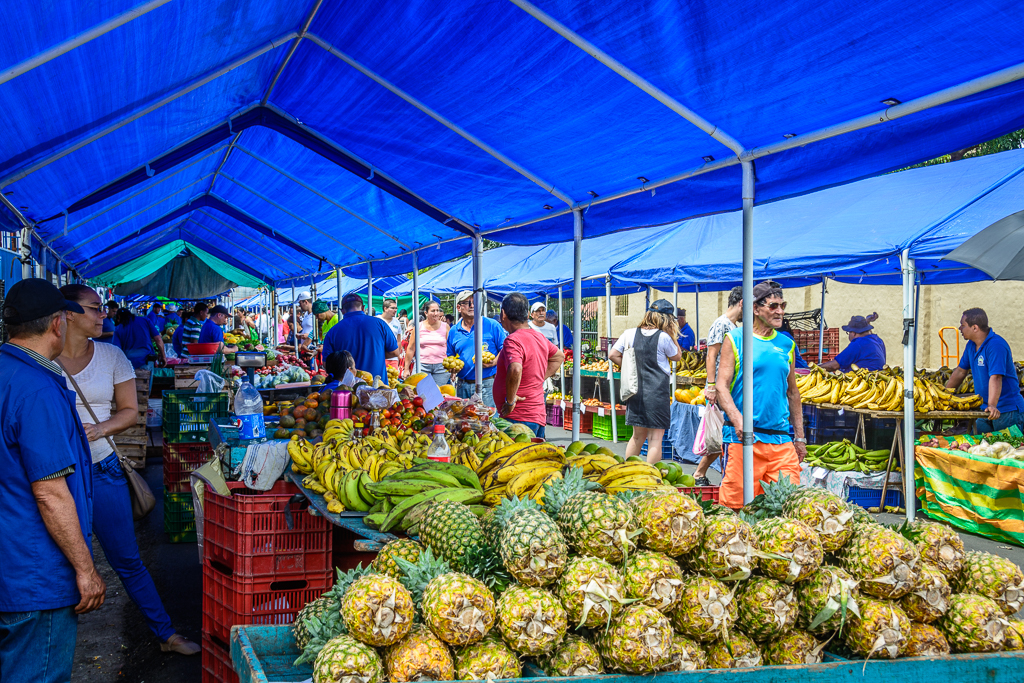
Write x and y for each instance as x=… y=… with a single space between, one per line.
x=179 y=517
x=603 y=427
x=187 y=415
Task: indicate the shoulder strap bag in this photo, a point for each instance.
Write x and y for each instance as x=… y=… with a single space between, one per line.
x=630 y=380
x=143 y=500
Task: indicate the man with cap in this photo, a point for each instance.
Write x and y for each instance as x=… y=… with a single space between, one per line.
x=462 y=343
x=326 y=316
x=687 y=339
x=538 y=322
x=212 y=332
x=552 y=317
x=171 y=316
x=866 y=349
x=368 y=339
x=988 y=358
x=45 y=493
x=306 y=318
x=156 y=316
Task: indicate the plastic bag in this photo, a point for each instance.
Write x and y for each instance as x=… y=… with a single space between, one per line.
x=209 y=382
x=709 y=433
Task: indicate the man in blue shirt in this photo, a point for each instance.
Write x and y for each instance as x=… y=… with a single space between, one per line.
x=212 y=332
x=461 y=343
x=866 y=349
x=687 y=339
x=368 y=339
x=552 y=318
x=108 y=323
x=171 y=316
x=45 y=493
x=156 y=316
x=988 y=358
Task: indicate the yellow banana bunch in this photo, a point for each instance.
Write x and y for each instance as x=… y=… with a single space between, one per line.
x=630 y=476
x=878 y=390
x=301 y=454
x=592 y=464
x=519 y=469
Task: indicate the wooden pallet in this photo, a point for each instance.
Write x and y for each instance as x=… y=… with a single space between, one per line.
x=135 y=453
x=185 y=376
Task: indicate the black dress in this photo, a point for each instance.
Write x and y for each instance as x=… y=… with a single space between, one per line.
x=649 y=407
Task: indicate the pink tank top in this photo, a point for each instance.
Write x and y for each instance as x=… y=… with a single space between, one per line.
x=433 y=343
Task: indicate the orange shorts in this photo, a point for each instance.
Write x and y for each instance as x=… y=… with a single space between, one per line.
x=771 y=462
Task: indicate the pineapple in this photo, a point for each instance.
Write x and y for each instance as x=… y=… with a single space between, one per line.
x=828 y=514
x=973 y=623
x=345 y=660
x=591 y=591
x=994 y=577
x=377 y=610
x=654 y=578
x=735 y=651
x=883 y=561
x=938 y=545
x=574 y=656
x=826 y=600
x=531 y=545
x=458 y=608
x=1014 y=636
x=483 y=562
x=416 y=575
x=706 y=609
x=450 y=529
x=669 y=522
x=386 y=561
x=796 y=647
x=685 y=655
x=487 y=659
x=771 y=503
x=531 y=620
x=419 y=656
x=726 y=548
x=880 y=630
x=930 y=598
x=925 y=640
x=592 y=523
x=489 y=526
x=315 y=628
x=639 y=641
x=791 y=549
x=765 y=608
x=318 y=609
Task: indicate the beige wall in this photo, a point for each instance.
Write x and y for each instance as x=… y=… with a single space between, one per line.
x=941 y=305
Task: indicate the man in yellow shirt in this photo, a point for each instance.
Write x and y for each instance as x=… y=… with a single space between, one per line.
x=325 y=315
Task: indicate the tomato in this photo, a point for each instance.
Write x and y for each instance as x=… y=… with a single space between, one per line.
x=418 y=401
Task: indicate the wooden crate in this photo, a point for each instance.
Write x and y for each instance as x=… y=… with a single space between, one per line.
x=185 y=376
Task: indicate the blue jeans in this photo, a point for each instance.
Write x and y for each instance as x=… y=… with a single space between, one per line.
x=114 y=527
x=38 y=647
x=465 y=390
x=1005 y=421
x=537 y=428
x=437 y=371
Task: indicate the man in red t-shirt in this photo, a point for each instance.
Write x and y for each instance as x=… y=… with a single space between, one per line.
x=526 y=360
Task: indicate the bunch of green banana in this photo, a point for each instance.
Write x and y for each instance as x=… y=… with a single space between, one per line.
x=472 y=450
x=519 y=469
x=401 y=497
x=632 y=476
x=843 y=456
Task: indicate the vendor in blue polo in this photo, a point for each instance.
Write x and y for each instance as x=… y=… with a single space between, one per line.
x=866 y=349
x=989 y=360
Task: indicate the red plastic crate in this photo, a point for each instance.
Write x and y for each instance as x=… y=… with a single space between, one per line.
x=248 y=532
x=181 y=460
x=217 y=666
x=586 y=421
x=702 y=492
x=229 y=600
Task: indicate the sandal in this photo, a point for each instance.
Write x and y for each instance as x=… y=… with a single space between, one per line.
x=180 y=644
x=702 y=481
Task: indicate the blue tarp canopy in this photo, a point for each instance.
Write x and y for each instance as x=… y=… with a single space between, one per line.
x=852 y=233
x=303 y=135
x=327 y=289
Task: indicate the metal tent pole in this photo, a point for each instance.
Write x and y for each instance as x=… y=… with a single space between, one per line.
x=675 y=304
x=26 y=254
x=577 y=317
x=274 y=316
x=369 y=288
x=696 y=317
x=821 y=322
x=611 y=371
x=414 y=315
x=647 y=300
x=909 y=323
x=478 y=318
x=561 y=343
x=295 y=321
x=748 y=328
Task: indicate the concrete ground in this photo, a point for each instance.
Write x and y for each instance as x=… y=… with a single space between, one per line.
x=114 y=643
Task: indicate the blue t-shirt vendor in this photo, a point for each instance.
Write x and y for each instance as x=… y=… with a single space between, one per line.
x=988 y=359
x=866 y=349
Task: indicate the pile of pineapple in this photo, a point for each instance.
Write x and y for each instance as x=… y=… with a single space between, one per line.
x=648 y=581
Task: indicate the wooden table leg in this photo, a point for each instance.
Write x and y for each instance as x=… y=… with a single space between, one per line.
x=861 y=432
x=895 y=449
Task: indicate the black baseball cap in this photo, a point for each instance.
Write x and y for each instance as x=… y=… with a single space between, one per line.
x=219 y=309
x=35 y=298
x=662 y=306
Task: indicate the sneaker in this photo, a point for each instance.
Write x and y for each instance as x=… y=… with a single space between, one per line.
x=180 y=644
x=701 y=481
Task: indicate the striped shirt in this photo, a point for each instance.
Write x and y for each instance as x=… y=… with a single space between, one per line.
x=52 y=366
x=191 y=333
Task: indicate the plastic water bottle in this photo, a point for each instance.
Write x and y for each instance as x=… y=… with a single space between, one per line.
x=438 y=449
x=249 y=411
